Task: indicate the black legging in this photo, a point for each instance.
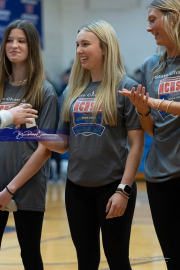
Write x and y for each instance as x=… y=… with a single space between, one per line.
x=86 y=215
x=28 y=227
x=165 y=206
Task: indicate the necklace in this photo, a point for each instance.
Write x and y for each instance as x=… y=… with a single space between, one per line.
x=11 y=80
x=171 y=61
x=19 y=86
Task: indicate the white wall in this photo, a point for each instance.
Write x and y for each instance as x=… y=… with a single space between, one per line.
x=62 y=18
x=52 y=38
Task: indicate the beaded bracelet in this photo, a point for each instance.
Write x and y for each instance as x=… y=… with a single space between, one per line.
x=169 y=105
x=120 y=192
x=142 y=115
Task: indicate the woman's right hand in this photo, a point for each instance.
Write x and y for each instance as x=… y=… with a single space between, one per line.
x=116 y=206
x=137 y=98
x=5 y=197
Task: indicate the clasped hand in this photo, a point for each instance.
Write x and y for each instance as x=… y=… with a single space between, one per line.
x=116 y=206
x=5 y=197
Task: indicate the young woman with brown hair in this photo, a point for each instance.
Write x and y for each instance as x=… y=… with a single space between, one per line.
x=25 y=165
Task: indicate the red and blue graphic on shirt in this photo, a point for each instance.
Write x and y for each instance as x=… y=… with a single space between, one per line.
x=83 y=119
x=169 y=89
x=6 y=105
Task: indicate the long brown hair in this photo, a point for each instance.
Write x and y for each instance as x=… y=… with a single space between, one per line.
x=113 y=72
x=33 y=92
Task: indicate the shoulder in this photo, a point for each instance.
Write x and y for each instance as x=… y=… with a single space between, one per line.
x=65 y=91
x=127 y=82
x=150 y=62
x=48 y=89
x=62 y=97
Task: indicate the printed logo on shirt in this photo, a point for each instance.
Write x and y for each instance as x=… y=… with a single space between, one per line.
x=9 y=102
x=174 y=72
x=83 y=119
x=6 y=105
x=169 y=89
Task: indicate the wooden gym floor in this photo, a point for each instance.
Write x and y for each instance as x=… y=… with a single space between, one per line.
x=58 y=251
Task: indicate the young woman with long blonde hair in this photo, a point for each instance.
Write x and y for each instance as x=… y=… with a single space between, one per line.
x=95 y=126
x=161 y=79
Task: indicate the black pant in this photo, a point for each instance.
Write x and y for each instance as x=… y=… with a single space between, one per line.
x=86 y=215
x=165 y=208
x=28 y=227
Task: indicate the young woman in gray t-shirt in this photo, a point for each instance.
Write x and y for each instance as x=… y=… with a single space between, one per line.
x=96 y=124
x=24 y=165
x=161 y=79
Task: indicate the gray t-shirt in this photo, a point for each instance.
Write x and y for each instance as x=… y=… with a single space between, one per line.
x=14 y=154
x=98 y=152
x=162 y=162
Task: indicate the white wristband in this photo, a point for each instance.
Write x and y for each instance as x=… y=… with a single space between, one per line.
x=6 y=118
x=31 y=125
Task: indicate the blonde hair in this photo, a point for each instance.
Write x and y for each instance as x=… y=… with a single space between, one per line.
x=33 y=92
x=172 y=28
x=113 y=72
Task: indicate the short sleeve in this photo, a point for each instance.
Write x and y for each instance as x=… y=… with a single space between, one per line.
x=49 y=115
x=129 y=113
x=131 y=118
x=63 y=127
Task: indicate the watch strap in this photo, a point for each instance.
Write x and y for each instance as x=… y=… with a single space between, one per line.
x=124 y=188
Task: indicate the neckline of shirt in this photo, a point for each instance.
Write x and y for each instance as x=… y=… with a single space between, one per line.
x=172 y=59
x=15 y=86
x=98 y=82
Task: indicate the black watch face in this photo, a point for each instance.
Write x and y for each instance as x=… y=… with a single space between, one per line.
x=128 y=189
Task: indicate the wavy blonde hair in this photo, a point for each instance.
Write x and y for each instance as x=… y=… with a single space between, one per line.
x=113 y=72
x=33 y=92
x=167 y=7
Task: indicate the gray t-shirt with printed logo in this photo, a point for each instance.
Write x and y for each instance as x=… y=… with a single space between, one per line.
x=98 y=152
x=162 y=162
x=14 y=154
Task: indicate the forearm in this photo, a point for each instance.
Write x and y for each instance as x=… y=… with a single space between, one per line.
x=56 y=146
x=31 y=167
x=54 y=142
x=173 y=108
x=147 y=124
x=132 y=163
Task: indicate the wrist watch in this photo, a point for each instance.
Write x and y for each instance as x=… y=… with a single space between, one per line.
x=125 y=188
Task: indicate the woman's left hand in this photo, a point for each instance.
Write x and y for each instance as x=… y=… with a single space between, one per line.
x=138 y=98
x=5 y=197
x=116 y=206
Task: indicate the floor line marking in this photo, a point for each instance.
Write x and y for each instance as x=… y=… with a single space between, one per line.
x=42 y=241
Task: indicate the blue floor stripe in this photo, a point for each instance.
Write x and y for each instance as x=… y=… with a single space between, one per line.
x=72 y=263
x=9 y=229
x=43 y=241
